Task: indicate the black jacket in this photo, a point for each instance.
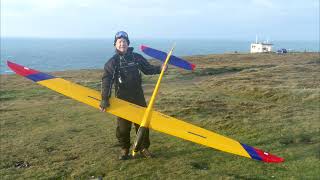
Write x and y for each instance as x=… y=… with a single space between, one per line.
x=124 y=72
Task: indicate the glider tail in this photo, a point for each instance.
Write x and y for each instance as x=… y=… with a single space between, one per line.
x=162 y=57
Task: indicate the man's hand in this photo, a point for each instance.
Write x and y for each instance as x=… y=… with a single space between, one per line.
x=164 y=67
x=104 y=104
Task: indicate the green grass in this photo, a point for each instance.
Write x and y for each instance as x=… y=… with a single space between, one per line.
x=269 y=101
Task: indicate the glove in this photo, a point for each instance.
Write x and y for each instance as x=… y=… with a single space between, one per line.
x=104 y=104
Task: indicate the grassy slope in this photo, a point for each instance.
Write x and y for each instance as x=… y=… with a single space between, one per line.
x=268 y=101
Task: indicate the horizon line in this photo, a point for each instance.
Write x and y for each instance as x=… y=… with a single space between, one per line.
x=153 y=38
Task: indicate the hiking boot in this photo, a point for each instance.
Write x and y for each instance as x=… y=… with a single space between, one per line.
x=124 y=154
x=146 y=153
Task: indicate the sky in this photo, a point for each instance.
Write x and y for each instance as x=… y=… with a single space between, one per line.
x=185 y=19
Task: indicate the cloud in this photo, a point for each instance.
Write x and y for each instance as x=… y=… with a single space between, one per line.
x=31 y=4
x=89 y=17
x=28 y=8
x=264 y=3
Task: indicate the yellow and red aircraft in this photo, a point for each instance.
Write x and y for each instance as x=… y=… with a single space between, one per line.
x=146 y=117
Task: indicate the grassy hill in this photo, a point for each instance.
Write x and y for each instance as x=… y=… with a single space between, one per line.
x=269 y=101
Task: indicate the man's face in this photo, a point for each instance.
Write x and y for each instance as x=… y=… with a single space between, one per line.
x=122 y=45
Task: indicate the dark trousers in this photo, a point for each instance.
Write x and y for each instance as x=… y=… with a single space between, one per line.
x=124 y=126
x=123 y=134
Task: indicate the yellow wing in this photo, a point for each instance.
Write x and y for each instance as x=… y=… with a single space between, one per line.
x=134 y=113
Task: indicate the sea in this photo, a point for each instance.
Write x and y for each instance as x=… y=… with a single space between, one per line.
x=47 y=54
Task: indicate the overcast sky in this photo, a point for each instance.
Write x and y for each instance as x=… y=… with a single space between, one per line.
x=214 y=19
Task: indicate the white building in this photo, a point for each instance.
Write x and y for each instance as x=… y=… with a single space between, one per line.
x=259 y=47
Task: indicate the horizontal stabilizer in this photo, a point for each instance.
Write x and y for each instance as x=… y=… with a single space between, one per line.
x=162 y=57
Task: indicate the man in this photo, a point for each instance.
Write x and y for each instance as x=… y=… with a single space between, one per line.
x=123 y=70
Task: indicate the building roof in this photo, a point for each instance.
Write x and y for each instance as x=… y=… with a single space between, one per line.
x=270 y=44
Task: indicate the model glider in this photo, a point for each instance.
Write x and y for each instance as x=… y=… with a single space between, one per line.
x=162 y=56
x=135 y=113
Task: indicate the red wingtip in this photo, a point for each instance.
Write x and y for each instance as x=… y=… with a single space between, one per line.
x=9 y=63
x=193 y=66
x=21 y=70
x=142 y=47
x=267 y=157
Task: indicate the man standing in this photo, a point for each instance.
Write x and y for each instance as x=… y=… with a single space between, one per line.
x=123 y=70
